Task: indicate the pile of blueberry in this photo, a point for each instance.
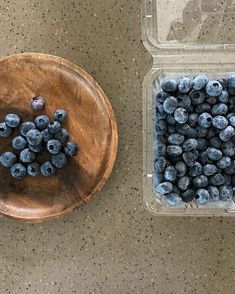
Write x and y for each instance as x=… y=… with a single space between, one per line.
x=33 y=139
x=194 y=148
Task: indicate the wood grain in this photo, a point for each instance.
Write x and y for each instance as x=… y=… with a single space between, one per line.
x=91 y=123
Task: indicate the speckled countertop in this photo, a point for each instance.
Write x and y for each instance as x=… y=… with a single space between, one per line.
x=112 y=245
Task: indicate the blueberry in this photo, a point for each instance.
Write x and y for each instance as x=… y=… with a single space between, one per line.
x=213 y=153
x=227 y=133
x=224 y=162
x=185 y=84
x=159 y=149
x=197 y=97
x=202 y=196
x=226 y=193
x=202 y=144
x=170 y=104
x=19 y=143
x=223 y=97
x=8 y=159
x=36 y=148
x=171 y=120
x=169 y=85
x=186 y=130
x=228 y=180
x=161 y=126
x=5 y=130
x=211 y=100
x=232 y=121
x=12 y=120
x=174 y=150
x=161 y=96
x=195 y=153
x=184 y=101
x=190 y=144
x=231 y=169
x=201 y=132
x=34 y=137
x=214 y=193
x=192 y=119
x=176 y=189
x=18 y=171
x=200 y=181
x=189 y=158
x=205 y=120
x=209 y=169
x=172 y=199
x=231 y=84
x=162 y=138
x=171 y=130
x=37 y=103
x=223 y=82
x=27 y=156
x=42 y=121
x=180 y=168
x=216 y=180
x=160 y=113
x=204 y=107
x=157 y=179
x=228 y=148
x=60 y=115
x=215 y=142
x=164 y=188
x=203 y=158
x=33 y=169
x=46 y=135
x=160 y=164
x=54 y=127
x=195 y=170
x=199 y=82
x=220 y=122
x=47 y=169
x=170 y=174
x=212 y=132
x=176 y=139
x=229 y=115
x=54 y=146
x=219 y=109
x=60 y=160
x=231 y=103
x=25 y=127
x=188 y=195
x=71 y=149
x=214 y=88
x=181 y=115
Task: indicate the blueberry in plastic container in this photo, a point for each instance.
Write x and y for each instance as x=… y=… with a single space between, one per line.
x=161 y=126
x=202 y=144
x=5 y=130
x=59 y=160
x=204 y=107
x=214 y=193
x=37 y=103
x=199 y=82
x=223 y=97
x=215 y=142
x=223 y=82
x=18 y=171
x=165 y=188
x=34 y=137
x=176 y=139
x=181 y=168
x=200 y=181
x=181 y=115
x=183 y=183
x=161 y=96
x=213 y=153
x=19 y=143
x=228 y=148
x=205 y=120
x=170 y=174
x=12 y=120
x=195 y=170
x=186 y=130
x=197 y=97
x=170 y=104
x=188 y=195
x=190 y=144
x=227 y=133
x=173 y=199
x=201 y=132
x=159 y=149
x=219 y=109
x=27 y=156
x=42 y=121
x=216 y=180
x=228 y=180
x=8 y=159
x=157 y=179
x=160 y=164
x=47 y=169
x=192 y=119
x=189 y=158
x=224 y=162
x=209 y=169
x=54 y=146
x=173 y=150
x=213 y=88
x=231 y=84
x=232 y=121
x=220 y=122
x=160 y=113
x=185 y=84
x=171 y=130
x=202 y=196
x=211 y=100
x=26 y=126
x=184 y=101
x=169 y=85
x=33 y=169
x=226 y=193
x=231 y=169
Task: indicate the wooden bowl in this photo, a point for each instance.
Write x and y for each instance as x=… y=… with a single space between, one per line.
x=91 y=123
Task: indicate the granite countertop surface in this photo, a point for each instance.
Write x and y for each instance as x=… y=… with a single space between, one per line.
x=112 y=245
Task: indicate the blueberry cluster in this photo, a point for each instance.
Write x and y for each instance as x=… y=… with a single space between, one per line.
x=35 y=137
x=194 y=147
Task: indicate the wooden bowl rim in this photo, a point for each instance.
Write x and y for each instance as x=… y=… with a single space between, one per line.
x=114 y=138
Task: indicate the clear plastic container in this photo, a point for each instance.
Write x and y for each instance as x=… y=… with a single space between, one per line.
x=184 y=37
